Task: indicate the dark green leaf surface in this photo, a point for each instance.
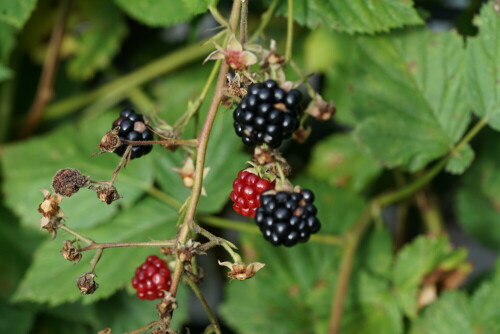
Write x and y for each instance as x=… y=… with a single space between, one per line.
x=483 y=75
x=342 y=162
x=365 y=16
x=52 y=280
x=15 y=320
x=408 y=96
x=30 y=166
x=156 y=13
x=100 y=39
x=478 y=199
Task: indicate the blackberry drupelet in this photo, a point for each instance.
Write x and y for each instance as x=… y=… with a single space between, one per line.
x=287 y=218
x=267 y=114
x=133 y=127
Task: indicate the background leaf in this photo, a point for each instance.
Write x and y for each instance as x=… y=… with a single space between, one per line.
x=100 y=39
x=156 y=13
x=483 y=52
x=17 y=12
x=355 y=15
x=408 y=96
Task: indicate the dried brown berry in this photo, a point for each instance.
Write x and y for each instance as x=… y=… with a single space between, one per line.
x=87 y=284
x=70 y=253
x=68 y=181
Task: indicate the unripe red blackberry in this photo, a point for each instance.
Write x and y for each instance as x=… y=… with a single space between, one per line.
x=267 y=114
x=152 y=278
x=132 y=127
x=287 y=218
x=247 y=188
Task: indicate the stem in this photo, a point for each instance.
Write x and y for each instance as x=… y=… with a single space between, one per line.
x=145 y=328
x=6 y=100
x=266 y=18
x=203 y=301
x=95 y=260
x=429 y=210
x=77 y=235
x=95 y=245
x=202 y=149
x=45 y=86
x=351 y=244
x=289 y=32
x=121 y=86
x=243 y=21
x=171 y=141
x=242 y=227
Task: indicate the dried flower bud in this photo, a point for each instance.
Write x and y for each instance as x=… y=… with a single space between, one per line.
x=185 y=252
x=301 y=134
x=105 y=331
x=320 y=109
x=52 y=215
x=70 y=253
x=68 y=181
x=107 y=194
x=167 y=305
x=86 y=284
x=241 y=271
x=110 y=141
x=187 y=174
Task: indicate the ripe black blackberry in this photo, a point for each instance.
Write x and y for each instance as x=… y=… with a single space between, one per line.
x=133 y=127
x=286 y=218
x=267 y=114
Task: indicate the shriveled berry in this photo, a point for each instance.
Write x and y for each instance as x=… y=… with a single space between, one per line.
x=286 y=218
x=247 y=188
x=152 y=278
x=267 y=114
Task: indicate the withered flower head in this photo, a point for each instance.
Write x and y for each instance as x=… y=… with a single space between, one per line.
x=167 y=305
x=87 y=284
x=110 y=141
x=234 y=55
x=52 y=214
x=107 y=194
x=68 y=181
x=241 y=271
x=320 y=109
x=70 y=253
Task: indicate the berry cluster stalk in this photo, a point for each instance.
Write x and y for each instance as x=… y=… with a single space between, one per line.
x=201 y=153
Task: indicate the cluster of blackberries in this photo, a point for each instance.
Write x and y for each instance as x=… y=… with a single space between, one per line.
x=152 y=278
x=267 y=114
x=287 y=218
x=133 y=128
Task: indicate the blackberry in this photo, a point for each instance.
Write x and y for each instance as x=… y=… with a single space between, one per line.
x=133 y=127
x=267 y=114
x=152 y=278
x=287 y=218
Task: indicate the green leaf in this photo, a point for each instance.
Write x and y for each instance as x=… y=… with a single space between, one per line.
x=353 y=16
x=196 y=7
x=17 y=12
x=124 y=312
x=224 y=158
x=156 y=13
x=413 y=262
x=30 y=165
x=478 y=199
x=7 y=34
x=340 y=161
x=100 y=39
x=460 y=160
x=292 y=293
x=483 y=75
x=15 y=320
x=407 y=95
x=51 y=279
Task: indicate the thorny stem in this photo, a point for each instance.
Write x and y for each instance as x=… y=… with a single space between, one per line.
x=353 y=236
x=266 y=18
x=203 y=301
x=145 y=327
x=96 y=245
x=45 y=86
x=243 y=21
x=289 y=32
x=200 y=158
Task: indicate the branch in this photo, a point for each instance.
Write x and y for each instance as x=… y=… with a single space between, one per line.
x=45 y=86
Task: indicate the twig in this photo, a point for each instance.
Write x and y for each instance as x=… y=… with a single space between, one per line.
x=430 y=212
x=243 y=21
x=145 y=328
x=203 y=301
x=45 y=86
x=96 y=245
x=289 y=32
x=77 y=235
x=95 y=260
x=170 y=141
